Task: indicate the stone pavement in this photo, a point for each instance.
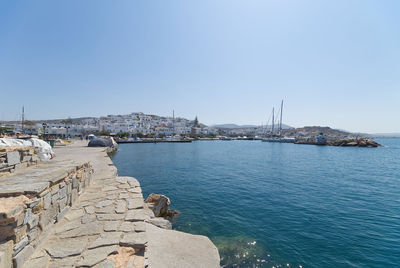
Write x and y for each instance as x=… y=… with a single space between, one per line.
x=106 y=226
x=109 y=226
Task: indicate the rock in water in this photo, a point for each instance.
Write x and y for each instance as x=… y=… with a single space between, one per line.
x=159 y=204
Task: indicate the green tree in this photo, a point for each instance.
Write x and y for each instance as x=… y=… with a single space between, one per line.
x=196 y=122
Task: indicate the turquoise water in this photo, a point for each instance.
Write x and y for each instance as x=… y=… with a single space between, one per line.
x=283 y=205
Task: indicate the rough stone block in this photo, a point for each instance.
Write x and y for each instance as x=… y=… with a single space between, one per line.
x=32 y=203
x=20 y=233
x=38 y=207
x=20 y=245
x=28 y=214
x=23 y=256
x=75 y=182
x=26 y=158
x=13 y=158
x=54 y=198
x=21 y=166
x=62 y=203
x=48 y=216
x=62 y=213
x=69 y=188
x=33 y=221
x=63 y=192
x=47 y=200
x=33 y=234
x=6 y=232
x=6 y=252
x=55 y=189
x=74 y=196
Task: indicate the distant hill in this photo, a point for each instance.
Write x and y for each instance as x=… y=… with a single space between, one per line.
x=234 y=126
x=316 y=130
x=384 y=135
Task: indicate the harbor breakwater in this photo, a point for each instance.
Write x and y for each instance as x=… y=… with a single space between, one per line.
x=76 y=212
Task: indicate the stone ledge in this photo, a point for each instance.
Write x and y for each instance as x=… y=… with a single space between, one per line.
x=33 y=200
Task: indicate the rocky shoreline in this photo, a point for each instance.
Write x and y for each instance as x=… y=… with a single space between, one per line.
x=347 y=142
x=106 y=223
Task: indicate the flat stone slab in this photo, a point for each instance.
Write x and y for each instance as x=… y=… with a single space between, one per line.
x=135 y=203
x=35 y=180
x=110 y=217
x=92 y=228
x=136 y=240
x=104 y=203
x=169 y=248
x=111 y=226
x=106 y=239
x=136 y=215
x=96 y=255
x=62 y=248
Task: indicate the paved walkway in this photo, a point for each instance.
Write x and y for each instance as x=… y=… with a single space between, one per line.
x=105 y=228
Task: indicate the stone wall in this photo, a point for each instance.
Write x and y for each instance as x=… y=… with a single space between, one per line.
x=17 y=157
x=32 y=202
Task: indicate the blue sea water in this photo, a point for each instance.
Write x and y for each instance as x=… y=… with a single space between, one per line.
x=282 y=205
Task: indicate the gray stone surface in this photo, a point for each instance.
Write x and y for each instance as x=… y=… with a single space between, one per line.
x=13 y=158
x=22 y=256
x=89 y=209
x=136 y=240
x=161 y=222
x=120 y=207
x=88 y=229
x=99 y=222
x=168 y=248
x=21 y=244
x=136 y=215
x=65 y=248
x=104 y=203
x=110 y=217
x=127 y=227
x=96 y=255
x=6 y=252
x=111 y=226
x=135 y=203
x=106 y=239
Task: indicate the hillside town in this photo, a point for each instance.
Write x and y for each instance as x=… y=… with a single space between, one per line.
x=140 y=127
x=130 y=125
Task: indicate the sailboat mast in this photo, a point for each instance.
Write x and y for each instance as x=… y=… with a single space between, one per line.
x=173 y=122
x=23 y=121
x=273 y=120
x=280 y=121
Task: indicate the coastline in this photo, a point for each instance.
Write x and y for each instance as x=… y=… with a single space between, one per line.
x=105 y=223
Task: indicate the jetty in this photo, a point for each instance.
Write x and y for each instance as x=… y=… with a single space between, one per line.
x=75 y=211
x=151 y=141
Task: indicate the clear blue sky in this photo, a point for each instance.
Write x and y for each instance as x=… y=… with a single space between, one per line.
x=335 y=63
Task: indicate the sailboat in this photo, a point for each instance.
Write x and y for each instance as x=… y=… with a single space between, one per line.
x=276 y=136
